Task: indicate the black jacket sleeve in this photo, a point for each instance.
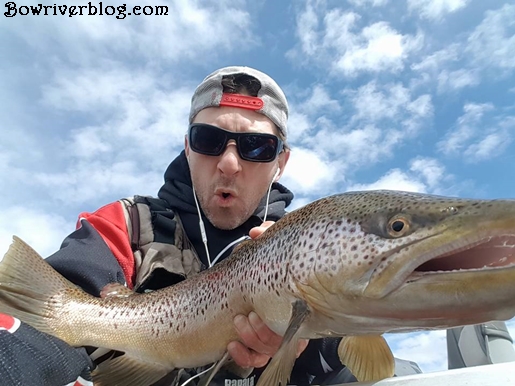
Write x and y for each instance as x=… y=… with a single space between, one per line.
x=29 y=357
x=86 y=260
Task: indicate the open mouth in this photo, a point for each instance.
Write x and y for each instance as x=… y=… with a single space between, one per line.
x=495 y=252
x=226 y=195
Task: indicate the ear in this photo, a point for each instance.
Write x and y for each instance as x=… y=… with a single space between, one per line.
x=186 y=146
x=282 y=160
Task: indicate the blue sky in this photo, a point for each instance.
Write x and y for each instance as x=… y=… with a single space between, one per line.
x=406 y=94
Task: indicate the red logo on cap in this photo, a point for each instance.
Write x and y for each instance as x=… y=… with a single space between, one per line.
x=241 y=101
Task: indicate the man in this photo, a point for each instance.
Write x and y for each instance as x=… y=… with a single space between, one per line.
x=220 y=189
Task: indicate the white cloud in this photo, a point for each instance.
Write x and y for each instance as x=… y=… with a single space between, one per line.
x=42 y=231
x=87 y=143
x=366 y=3
x=372 y=104
x=466 y=127
x=359 y=147
x=319 y=101
x=309 y=172
x=428 y=349
x=456 y=80
x=134 y=104
x=377 y=48
x=468 y=60
x=436 y=9
x=436 y=60
x=382 y=117
x=390 y=101
x=299 y=126
x=492 y=44
x=307 y=26
x=479 y=134
x=488 y=147
x=130 y=117
x=90 y=181
x=334 y=38
x=395 y=179
x=430 y=170
x=425 y=175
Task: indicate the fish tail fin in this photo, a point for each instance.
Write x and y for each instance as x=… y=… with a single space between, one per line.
x=30 y=289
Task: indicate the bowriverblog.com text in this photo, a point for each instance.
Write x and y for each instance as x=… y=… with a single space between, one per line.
x=89 y=9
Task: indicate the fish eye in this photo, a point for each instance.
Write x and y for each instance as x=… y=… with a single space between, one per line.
x=398 y=226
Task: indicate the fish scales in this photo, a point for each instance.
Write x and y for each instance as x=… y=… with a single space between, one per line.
x=353 y=264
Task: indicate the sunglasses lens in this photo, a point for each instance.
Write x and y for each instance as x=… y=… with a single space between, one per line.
x=257 y=147
x=207 y=140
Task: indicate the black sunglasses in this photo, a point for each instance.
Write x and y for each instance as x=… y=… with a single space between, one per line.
x=255 y=147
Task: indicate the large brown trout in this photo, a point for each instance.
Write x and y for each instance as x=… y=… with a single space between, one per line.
x=354 y=265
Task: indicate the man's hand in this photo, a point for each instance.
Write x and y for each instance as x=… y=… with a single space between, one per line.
x=257 y=231
x=258 y=343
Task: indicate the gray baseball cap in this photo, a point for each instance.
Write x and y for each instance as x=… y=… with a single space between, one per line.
x=270 y=100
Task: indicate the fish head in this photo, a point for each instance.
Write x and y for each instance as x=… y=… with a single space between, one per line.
x=385 y=251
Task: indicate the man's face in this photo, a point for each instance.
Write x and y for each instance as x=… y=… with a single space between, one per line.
x=228 y=188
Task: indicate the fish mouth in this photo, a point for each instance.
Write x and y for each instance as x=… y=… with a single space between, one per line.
x=493 y=252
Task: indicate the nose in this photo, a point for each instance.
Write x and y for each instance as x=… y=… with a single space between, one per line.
x=229 y=162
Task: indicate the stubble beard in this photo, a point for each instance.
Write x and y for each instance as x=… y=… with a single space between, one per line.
x=227 y=218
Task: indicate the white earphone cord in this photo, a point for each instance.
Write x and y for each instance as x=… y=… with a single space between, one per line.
x=202 y=228
x=268 y=193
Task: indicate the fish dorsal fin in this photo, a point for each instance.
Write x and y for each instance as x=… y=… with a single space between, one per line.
x=116 y=290
x=279 y=369
x=128 y=371
x=368 y=357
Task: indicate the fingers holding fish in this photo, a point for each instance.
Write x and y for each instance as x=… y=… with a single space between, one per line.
x=245 y=357
x=258 y=231
x=258 y=342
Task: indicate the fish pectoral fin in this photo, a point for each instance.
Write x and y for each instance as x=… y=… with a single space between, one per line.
x=278 y=371
x=205 y=378
x=368 y=357
x=116 y=290
x=128 y=371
